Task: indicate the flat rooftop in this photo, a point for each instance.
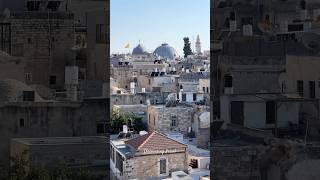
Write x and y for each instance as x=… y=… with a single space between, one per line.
x=62 y=140
x=123 y=147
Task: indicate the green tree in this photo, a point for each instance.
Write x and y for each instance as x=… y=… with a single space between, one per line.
x=120 y=119
x=187 y=47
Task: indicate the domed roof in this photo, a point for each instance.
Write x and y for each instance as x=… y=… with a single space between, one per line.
x=139 y=50
x=11 y=91
x=165 y=51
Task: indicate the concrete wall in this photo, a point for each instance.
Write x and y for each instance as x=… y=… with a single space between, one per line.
x=255 y=113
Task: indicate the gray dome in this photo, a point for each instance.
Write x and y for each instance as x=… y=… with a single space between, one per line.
x=139 y=50
x=165 y=51
x=11 y=90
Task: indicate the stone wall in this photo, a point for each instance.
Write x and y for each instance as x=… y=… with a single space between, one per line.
x=49 y=119
x=44 y=41
x=148 y=166
x=84 y=151
x=12 y=70
x=235 y=162
x=162 y=116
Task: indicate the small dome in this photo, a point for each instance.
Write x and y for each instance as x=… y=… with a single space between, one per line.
x=139 y=50
x=165 y=51
x=11 y=91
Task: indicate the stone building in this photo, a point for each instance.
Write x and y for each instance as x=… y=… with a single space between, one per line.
x=165 y=119
x=43 y=39
x=11 y=68
x=201 y=126
x=147 y=156
x=261 y=111
x=24 y=114
x=49 y=35
x=52 y=152
x=252 y=157
x=157 y=82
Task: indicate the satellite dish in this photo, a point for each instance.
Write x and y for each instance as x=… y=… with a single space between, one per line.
x=6 y=13
x=311 y=41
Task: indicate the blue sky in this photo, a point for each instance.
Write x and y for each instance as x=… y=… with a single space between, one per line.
x=154 y=22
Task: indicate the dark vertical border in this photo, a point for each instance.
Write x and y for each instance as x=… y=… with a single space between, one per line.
x=213 y=87
x=211 y=90
x=107 y=26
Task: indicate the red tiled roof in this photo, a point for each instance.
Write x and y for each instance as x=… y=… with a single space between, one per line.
x=154 y=141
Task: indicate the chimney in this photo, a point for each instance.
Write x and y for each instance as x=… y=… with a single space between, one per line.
x=125 y=129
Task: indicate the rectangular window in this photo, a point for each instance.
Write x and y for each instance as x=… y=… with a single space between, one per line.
x=228 y=81
x=173 y=120
x=28 y=95
x=163 y=166
x=21 y=122
x=100 y=35
x=207 y=89
x=53 y=80
x=194 y=97
x=119 y=162
x=204 y=89
x=237 y=115
x=300 y=87
x=33 y=5
x=184 y=97
x=270 y=112
x=5 y=37
x=295 y=27
x=312 y=89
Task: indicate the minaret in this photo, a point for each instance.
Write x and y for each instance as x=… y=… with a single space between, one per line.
x=198 y=45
